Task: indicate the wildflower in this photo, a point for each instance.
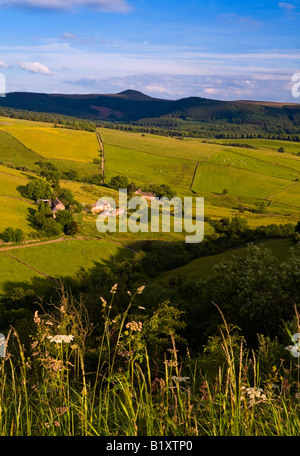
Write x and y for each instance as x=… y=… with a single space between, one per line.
x=171 y=363
x=129 y=293
x=36 y=318
x=253 y=394
x=103 y=301
x=142 y=308
x=114 y=288
x=134 y=326
x=140 y=289
x=58 y=339
x=62 y=410
x=180 y=379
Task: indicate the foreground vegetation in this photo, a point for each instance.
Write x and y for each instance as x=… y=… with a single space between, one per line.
x=139 y=378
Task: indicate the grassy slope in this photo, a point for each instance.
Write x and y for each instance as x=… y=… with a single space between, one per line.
x=203 y=267
x=57 y=143
x=13 y=272
x=61 y=259
x=14 y=208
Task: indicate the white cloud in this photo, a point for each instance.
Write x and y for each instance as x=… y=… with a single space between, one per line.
x=119 y=6
x=68 y=37
x=4 y=64
x=34 y=67
x=157 y=89
x=287 y=6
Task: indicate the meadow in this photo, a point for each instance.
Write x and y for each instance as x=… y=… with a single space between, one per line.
x=204 y=267
x=56 y=143
x=58 y=259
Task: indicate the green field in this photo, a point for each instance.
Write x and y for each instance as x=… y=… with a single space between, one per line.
x=13 y=273
x=56 y=143
x=58 y=259
x=248 y=174
x=203 y=267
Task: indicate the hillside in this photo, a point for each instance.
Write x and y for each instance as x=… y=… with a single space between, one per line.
x=136 y=107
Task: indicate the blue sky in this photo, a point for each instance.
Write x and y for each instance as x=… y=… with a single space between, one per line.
x=170 y=49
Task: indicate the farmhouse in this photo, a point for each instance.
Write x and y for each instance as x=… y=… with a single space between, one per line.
x=101 y=206
x=57 y=205
x=146 y=195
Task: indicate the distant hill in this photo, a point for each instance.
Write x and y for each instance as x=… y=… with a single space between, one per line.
x=134 y=106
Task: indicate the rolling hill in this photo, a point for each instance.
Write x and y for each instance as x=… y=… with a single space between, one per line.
x=132 y=106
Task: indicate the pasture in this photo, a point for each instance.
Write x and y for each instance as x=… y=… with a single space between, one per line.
x=204 y=267
x=13 y=273
x=58 y=259
x=56 y=143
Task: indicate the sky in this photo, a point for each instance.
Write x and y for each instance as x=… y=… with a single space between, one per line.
x=171 y=49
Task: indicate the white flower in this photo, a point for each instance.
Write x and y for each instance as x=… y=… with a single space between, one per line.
x=59 y=338
x=180 y=379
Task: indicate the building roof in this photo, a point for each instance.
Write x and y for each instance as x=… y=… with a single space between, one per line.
x=57 y=202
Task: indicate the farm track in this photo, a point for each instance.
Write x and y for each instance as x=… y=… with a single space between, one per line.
x=9 y=174
x=102 y=154
x=18 y=199
x=62 y=239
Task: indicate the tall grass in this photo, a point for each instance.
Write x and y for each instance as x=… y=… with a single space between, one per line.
x=50 y=390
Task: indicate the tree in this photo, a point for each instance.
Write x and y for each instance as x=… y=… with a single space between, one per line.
x=76 y=207
x=51 y=227
x=37 y=189
x=237 y=226
x=281 y=150
x=50 y=172
x=132 y=187
x=297 y=228
x=95 y=179
x=165 y=191
x=225 y=191
x=66 y=196
x=12 y=235
x=72 y=228
x=45 y=209
x=257 y=292
x=64 y=218
x=261 y=207
x=119 y=182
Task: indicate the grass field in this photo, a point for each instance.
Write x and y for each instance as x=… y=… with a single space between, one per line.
x=13 y=272
x=56 y=143
x=248 y=174
x=58 y=259
x=203 y=267
x=239 y=182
